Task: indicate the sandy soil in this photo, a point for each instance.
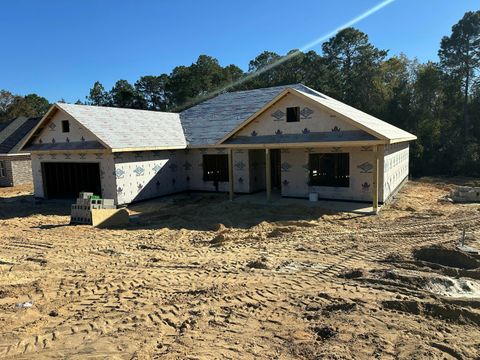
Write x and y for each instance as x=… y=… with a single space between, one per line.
x=198 y=277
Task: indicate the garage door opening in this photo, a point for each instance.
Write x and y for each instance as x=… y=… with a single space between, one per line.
x=66 y=180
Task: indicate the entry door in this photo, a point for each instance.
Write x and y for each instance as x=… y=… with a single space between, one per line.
x=66 y=180
x=275 y=162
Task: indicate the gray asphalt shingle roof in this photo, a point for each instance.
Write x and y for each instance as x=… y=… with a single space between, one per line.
x=9 y=145
x=208 y=122
x=129 y=128
x=3 y=125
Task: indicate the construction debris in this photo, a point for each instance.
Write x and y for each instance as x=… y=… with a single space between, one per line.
x=90 y=209
x=24 y=305
x=465 y=194
x=106 y=218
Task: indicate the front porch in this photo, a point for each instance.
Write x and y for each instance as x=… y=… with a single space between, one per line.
x=288 y=176
x=277 y=200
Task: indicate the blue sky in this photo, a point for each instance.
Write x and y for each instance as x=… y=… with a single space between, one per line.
x=58 y=49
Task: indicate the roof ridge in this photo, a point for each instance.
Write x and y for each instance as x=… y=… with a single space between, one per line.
x=114 y=108
x=264 y=88
x=241 y=92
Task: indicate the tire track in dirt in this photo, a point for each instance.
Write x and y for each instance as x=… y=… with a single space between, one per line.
x=133 y=283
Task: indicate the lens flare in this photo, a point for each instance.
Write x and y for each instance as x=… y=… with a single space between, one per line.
x=307 y=46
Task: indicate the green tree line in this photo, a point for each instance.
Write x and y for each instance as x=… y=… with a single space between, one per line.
x=437 y=101
x=12 y=106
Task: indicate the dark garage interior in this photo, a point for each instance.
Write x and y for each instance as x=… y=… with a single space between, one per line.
x=66 y=180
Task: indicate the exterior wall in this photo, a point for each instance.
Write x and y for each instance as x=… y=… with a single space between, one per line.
x=53 y=131
x=144 y=175
x=18 y=170
x=107 y=170
x=134 y=176
x=241 y=171
x=312 y=119
x=22 y=170
x=395 y=167
x=295 y=174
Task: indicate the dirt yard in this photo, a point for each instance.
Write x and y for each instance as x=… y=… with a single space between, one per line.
x=198 y=277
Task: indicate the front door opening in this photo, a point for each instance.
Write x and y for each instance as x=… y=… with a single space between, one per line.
x=275 y=163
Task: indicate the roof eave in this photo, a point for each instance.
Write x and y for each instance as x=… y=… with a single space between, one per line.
x=70 y=151
x=15 y=154
x=149 y=148
x=27 y=138
x=404 y=139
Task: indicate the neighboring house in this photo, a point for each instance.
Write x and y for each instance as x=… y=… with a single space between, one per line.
x=15 y=166
x=291 y=139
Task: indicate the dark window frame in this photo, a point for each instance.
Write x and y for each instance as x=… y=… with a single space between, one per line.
x=329 y=169
x=293 y=114
x=215 y=167
x=65 y=126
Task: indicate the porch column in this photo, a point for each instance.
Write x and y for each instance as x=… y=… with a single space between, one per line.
x=268 y=174
x=230 y=172
x=375 y=179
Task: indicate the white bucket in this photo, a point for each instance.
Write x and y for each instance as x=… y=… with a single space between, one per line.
x=313 y=196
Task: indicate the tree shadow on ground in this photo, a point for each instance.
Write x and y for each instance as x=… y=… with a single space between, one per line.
x=50 y=226
x=26 y=205
x=191 y=211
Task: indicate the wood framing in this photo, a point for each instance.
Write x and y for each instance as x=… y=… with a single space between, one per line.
x=268 y=174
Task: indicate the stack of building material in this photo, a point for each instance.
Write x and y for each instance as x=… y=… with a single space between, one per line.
x=465 y=194
x=85 y=204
